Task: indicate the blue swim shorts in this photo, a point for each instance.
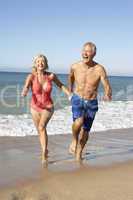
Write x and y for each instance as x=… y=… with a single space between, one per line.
x=84 y=108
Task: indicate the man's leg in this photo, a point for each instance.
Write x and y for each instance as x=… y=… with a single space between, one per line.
x=83 y=138
x=84 y=135
x=91 y=107
x=78 y=112
x=76 y=127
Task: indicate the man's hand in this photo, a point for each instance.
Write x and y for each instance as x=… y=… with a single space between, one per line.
x=107 y=98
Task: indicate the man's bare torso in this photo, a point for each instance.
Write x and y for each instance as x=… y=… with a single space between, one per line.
x=87 y=80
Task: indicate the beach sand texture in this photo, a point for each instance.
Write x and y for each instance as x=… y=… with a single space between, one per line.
x=105 y=173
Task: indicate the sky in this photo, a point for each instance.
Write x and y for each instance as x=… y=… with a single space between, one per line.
x=59 y=28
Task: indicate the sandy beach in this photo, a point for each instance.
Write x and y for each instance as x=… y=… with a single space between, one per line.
x=105 y=173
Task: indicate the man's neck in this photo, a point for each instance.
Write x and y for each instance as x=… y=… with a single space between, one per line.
x=90 y=63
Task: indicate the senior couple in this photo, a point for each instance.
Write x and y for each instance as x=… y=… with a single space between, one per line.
x=84 y=78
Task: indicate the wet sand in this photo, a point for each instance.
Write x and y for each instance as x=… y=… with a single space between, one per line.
x=105 y=173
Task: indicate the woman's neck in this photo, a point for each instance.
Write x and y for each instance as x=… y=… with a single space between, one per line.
x=40 y=72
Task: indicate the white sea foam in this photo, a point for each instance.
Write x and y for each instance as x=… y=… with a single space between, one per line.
x=111 y=115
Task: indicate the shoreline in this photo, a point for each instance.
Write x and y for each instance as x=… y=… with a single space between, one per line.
x=20 y=161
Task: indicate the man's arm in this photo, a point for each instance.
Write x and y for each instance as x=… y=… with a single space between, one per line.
x=71 y=79
x=106 y=84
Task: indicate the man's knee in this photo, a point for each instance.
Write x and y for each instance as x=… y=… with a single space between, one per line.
x=78 y=123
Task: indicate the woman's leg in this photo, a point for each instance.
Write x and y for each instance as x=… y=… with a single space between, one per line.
x=36 y=118
x=45 y=117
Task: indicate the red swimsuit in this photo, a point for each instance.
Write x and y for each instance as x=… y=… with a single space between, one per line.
x=41 y=95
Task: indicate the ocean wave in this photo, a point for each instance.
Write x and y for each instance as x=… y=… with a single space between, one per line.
x=111 y=115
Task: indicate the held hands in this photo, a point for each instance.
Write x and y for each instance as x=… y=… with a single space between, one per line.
x=70 y=96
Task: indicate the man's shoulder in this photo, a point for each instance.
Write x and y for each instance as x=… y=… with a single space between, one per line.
x=100 y=67
x=101 y=70
x=76 y=64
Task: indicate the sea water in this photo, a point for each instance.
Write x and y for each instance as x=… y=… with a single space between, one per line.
x=15 y=117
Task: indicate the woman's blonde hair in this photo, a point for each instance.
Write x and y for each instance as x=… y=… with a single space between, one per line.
x=34 y=69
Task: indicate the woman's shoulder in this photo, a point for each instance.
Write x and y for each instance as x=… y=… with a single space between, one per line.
x=51 y=75
x=30 y=76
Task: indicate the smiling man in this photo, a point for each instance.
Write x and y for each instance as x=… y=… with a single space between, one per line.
x=85 y=75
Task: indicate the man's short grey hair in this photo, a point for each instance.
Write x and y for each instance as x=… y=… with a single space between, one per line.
x=92 y=45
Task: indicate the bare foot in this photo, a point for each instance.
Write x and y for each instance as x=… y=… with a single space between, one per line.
x=44 y=156
x=79 y=155
x=45 y=163
x=72 y=149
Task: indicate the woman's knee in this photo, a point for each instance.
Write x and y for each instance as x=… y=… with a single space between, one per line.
x=41 y=127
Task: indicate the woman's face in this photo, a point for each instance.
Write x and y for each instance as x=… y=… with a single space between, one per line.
x=40 y=64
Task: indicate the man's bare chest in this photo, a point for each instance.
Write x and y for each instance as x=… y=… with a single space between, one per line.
x=89 y=75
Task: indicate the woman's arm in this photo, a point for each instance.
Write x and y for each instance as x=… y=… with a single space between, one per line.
x=61 y=85
x=26 y=85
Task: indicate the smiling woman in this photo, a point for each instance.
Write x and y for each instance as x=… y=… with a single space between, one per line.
x=37 y=61
x=42 y=106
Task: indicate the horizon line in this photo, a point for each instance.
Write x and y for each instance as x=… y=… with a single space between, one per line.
x=110 y=75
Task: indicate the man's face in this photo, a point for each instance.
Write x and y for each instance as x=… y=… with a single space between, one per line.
x=87 y=53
